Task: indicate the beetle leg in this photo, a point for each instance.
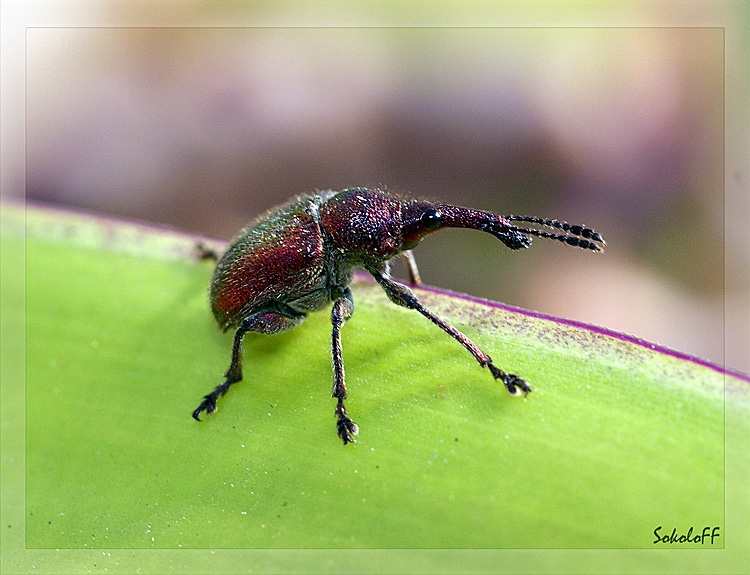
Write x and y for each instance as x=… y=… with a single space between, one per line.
x=268 y=322
x=403 y=296
x=343 y=308
x=411 y=268
x=203 y=252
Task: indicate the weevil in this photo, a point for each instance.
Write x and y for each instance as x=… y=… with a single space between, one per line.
x=300 y=256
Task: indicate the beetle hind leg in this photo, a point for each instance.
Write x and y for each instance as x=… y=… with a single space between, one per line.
x=268 y=322
x=209 y=401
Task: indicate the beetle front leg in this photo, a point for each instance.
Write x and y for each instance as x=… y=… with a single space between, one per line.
x=343 y=308
x=412 y=269
x=403 y=296
x=268 y=322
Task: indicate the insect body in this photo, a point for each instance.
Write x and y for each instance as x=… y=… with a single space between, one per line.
x=300 y=256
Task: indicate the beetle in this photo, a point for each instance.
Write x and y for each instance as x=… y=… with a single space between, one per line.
x=300 y=256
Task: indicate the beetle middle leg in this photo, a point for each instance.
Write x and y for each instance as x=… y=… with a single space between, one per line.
x=403 y=296
x=343 y=308
x=268 y=322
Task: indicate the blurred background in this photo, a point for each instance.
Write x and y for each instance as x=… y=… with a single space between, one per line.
x=620 y=129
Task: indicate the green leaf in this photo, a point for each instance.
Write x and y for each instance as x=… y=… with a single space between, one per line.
x=619 y=437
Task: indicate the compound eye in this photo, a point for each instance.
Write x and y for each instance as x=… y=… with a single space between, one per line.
x=431 y=219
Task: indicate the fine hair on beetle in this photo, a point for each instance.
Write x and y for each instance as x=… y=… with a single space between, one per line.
x=300 y=257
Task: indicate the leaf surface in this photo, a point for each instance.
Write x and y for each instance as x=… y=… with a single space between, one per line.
x=618 y=437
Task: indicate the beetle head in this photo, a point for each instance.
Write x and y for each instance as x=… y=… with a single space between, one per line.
x=422 y=218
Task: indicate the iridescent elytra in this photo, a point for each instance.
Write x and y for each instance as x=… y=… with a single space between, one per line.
x=301 y=255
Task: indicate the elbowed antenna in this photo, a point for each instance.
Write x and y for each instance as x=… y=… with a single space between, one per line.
x=515 y=237
x=574 y=237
